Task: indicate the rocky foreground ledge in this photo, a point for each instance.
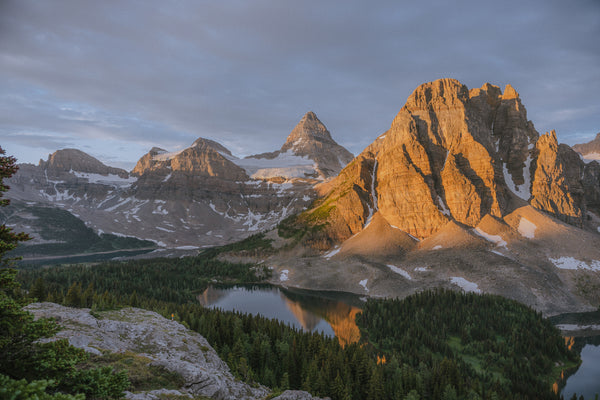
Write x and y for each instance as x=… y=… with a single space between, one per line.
x=166 y=343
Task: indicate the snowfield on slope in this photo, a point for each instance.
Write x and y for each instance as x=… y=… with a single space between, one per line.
x=465 y=285
x=527 y=228
x=573 y=264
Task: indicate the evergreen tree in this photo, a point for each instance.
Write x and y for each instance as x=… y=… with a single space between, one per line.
x=23 y=358
x=38 y=291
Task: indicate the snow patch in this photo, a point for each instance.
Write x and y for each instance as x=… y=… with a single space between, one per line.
x=122 y=202
x=187 y=248
x=400 y=271
x=373 y=196
x=332 y=253
x=288 y=165
x=167 y=177
x=497 y=239
x=422 y=269
x=573 y=264
x=166 y=155
x=524 y=190
x=465 y=285
x=110 y=179
x=437 y=247
x=498 y=253
x=164 y=229
x=527 y=228
x=284 y=275
x=587 y=158
x=442 y=206
x=363 y=283
x=417 y=239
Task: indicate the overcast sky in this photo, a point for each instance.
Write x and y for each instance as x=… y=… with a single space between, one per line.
x=115 y=78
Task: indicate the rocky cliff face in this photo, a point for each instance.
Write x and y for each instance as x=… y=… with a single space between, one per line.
x=557 y=185
x=163 y=342
x=454 y=154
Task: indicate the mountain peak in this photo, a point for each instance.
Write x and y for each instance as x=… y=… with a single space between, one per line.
x=510 y=93
x=203 y=143
x=440 y=161
x=310 y=138
x=443 y=91
x=66 y=160
x=310 y=128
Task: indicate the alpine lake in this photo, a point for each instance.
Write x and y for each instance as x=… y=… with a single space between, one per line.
x=333 y=314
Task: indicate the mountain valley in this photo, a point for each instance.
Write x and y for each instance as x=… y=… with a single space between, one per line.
x=461 y=192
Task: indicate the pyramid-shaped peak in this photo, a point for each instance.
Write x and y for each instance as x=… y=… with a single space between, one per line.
x=310 y=116
x=309 y=128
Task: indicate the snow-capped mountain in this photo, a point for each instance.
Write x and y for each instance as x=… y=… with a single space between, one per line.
x=196 y=197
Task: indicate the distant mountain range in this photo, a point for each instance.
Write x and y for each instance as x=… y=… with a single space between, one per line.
x=200 y=196
x=460 y=192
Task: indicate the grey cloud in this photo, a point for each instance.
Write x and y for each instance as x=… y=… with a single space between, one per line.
x=243 y=73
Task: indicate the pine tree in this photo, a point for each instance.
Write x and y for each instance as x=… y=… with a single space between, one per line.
x=38 y=290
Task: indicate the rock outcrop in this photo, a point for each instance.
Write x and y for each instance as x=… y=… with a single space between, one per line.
x=165 y=343
x=453 y=154
x=557 y=186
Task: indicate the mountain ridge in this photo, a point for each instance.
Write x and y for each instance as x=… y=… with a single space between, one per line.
x=201 y=195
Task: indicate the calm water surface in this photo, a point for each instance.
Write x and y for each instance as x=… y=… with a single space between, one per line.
x=586 y=381
x=331 y=313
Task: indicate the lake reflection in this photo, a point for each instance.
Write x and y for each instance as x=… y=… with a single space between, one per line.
x=330 y=313
x=585 y=380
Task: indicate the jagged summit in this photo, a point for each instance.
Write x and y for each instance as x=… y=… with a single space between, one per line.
x=76 y=160
x=453 y=154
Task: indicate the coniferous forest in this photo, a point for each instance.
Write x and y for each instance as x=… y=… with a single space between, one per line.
x=432 y=345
